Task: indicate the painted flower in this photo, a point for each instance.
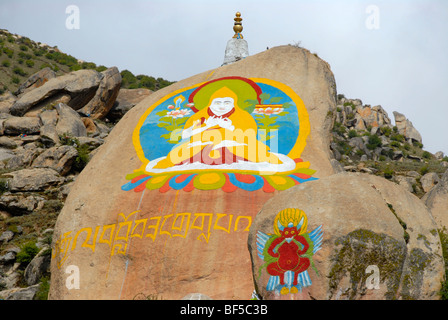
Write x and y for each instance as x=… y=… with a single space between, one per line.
x=171 y=106
x=189 y=105
x=268 y=111
x=178 y=113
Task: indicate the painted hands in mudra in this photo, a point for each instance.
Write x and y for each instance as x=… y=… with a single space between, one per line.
x=220 y=134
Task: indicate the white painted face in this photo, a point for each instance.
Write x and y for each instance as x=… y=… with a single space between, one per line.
x=221 y=106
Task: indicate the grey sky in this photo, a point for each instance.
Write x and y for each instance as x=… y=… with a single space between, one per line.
x=401 y=66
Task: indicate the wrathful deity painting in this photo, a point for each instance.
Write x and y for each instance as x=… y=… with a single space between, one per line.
x=229 y=133
x=288 y=252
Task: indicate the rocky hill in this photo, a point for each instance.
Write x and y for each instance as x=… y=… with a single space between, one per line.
x=21 y=57
x=365 y=139
x=52 y=123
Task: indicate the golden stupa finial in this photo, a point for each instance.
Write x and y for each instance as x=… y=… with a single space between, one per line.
x=237 y=26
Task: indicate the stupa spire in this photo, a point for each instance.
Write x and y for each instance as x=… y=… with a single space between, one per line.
x=238 y=26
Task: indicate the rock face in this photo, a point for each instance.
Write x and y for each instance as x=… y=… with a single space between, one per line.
x=374 y=241
x=437 y=201
x=69 y=122
x=105 y=96
x=78 y=87
x=126 y=100
x=36 y=80
x=406 y=128
x=131 y=233
x=33 y=179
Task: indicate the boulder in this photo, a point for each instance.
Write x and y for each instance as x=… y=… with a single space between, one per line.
x=373 y=117
x=19 y=204
x=20 y=293
x=49 y=135
x=6 y=236
x=126 y=100
x=59 y=159
x=437 y=201
x=22 y=125
x=36 y=80
x=429 y=180
x=69 y=122
x=406 y=128
x=7 y=143
x=38 y=267
x=23 y=157
x=105 y=96
x=409 y=183
x=6 y=154
x=188 y=235
x=439 y=155
x=36 y=179
x=369 y=239
x=6 y=101
x=79 y=85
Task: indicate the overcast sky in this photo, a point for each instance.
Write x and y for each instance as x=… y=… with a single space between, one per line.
x=390 y=53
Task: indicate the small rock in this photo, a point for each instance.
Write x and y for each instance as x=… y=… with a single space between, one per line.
x=69 y=122
x=20 y=204
x=6 y=154
x=9 y=257
x=6 y=236
x=22 y=125
x=21 y=293
x=37 y=179
x=57 y=158
x=439 y=155
x=7 y=143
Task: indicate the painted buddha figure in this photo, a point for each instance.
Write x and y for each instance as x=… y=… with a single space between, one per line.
x=221 y=135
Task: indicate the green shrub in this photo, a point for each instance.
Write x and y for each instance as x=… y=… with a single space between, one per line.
x=9 y=52
x=397 y=137
x=6 y=63
x=29 y=63
x=83 y=157
x=24 y=55
x=424 y=170
x=445 y=158
x=100 y=68
x=27 y=252
x=23 y=47
x=386 y=131
x=19 y=71
x=3 y=185
x=374 y=142
x=352 y=133
x=339 y=128
x=395 y=144
x=388 y=173
x=44 y=288
x=15 y=80
x=426 y=155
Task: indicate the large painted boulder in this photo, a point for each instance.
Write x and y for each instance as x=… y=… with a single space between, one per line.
x=165 y=206
x=347 y=236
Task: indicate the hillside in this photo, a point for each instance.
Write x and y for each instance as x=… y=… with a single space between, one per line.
x=364 y=139
x=21 y=57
